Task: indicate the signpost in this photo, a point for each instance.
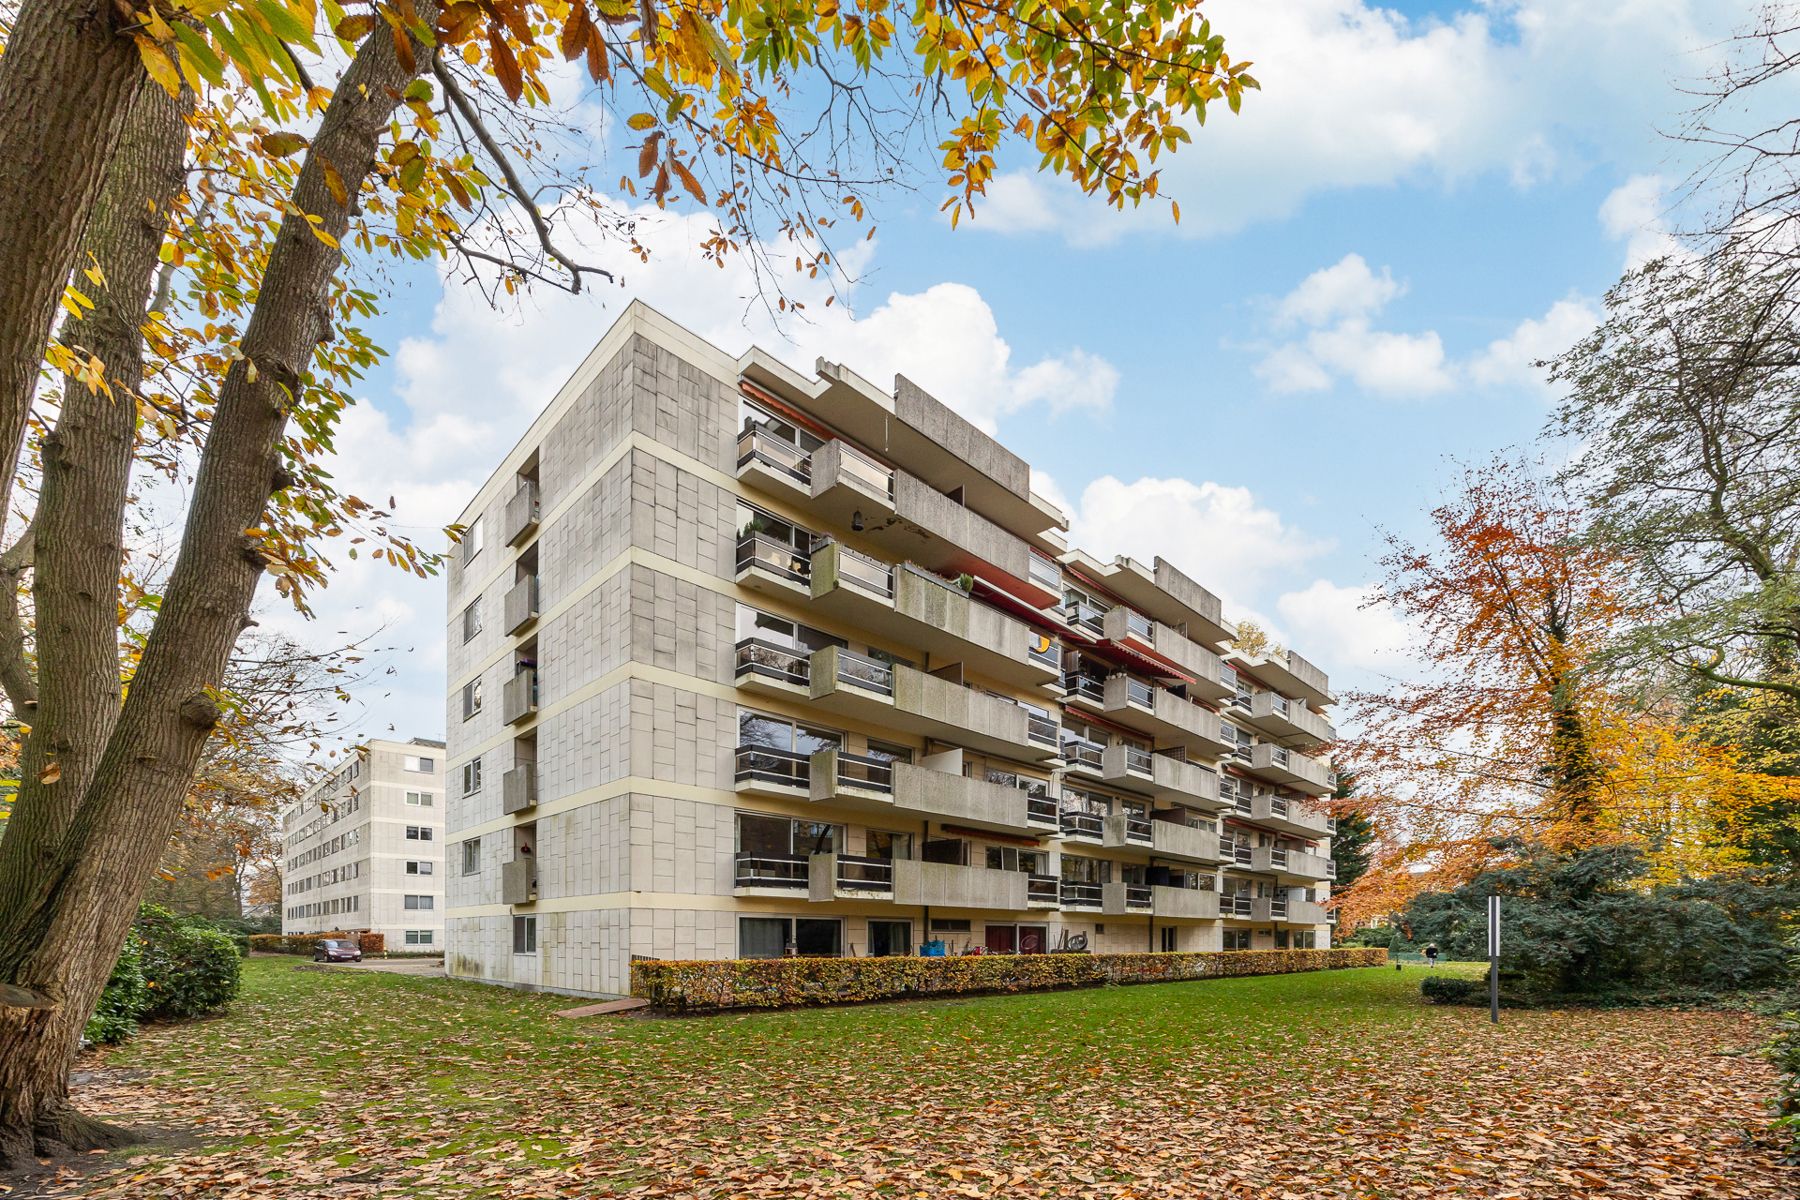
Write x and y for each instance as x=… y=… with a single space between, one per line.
x=1494 y=959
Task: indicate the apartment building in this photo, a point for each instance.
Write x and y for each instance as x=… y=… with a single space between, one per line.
x=746 y=662
x=363 y=848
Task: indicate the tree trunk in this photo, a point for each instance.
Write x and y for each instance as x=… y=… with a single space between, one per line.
x=61 y=945
x=78 y=533
x=67 y=79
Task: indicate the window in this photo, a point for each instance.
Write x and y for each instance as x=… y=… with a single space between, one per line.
x=889 y=938
x=1009 y=858
x=1237 y=939
x=471 y=696
x=420 y=937
x=415 y=763
x=471 y=776
x=781 y=837
x=950 y=925
x=472 y=619
x=524 y=935
x=418 y=866
x=1168 y=939
x=471 y=542
x=418 y=833
x=472 y=856
x=420 y=902
x=419 y=799
x=779 y=937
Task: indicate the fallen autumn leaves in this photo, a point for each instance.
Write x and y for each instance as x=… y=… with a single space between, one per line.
x=360 y=1085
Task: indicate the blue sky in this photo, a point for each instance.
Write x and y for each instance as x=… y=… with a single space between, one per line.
x=1423 y=198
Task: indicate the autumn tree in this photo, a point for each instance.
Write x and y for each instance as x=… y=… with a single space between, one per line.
x=1514 y=734
x=264 y=153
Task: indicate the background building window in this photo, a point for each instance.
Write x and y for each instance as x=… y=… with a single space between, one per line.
x=419 y=799
x=420 y=903
x=418 y=866
x=418 y=833
x=415 y=763
x=420 y=937
x=472 y=619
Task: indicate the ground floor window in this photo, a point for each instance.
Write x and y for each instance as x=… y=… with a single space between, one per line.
x=1168 y=939
x=1017 y=939
x=1307 y=940
x=420 y=937
x=524 y=935
x=1236 y=939
x=889 y=938
x=779 y=937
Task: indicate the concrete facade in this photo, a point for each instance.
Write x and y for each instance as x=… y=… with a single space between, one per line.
x=363 y=848
x=691 y=745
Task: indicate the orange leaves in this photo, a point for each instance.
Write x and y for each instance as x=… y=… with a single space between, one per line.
x=506 y=66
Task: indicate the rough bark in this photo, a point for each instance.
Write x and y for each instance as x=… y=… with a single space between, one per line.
x=67 y=80
x=77 y=536
x=60 y=944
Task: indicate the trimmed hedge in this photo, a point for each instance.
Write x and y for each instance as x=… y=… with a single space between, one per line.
x=306 y=943
x=712 y=985
x=189 y=967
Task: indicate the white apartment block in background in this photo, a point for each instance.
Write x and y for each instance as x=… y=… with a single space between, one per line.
x=744 y=662
x=363 y=849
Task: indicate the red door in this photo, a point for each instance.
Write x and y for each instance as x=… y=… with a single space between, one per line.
x=1001 y=939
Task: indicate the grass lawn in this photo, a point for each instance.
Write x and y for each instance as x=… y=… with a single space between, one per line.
x=353 y=1083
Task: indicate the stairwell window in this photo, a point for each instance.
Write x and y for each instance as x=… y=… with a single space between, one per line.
x=421 y=903
x=419 y=799
x=471 y=698
x=471 y=856
x=418 y=833
x=418 y=866
x=471 y=619
x=471 y=777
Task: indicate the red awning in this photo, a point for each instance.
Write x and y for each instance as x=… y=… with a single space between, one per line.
x=989 y=835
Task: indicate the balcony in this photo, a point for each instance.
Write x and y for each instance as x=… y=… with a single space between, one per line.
x=1043 y=891
x=1080 y=825
x=773 y=568
x=1171 y=839
x=1136 y=704
x=1236 y=852
x=1178 y=903
x=518 y=789
x=522 y=513
x=1312 y=868
x=949 y=885
x=1305 y=912
x=1123 y=899
x=933 y=530
x=1128 y=766
x=766 y=771
x=1288 y=673
x=1239 y=906
x=849 y=877
x=1288 y=814
x=1291 y=768
x=1126 y=626
x=521 y=604
x=519 y=698
x=1288 y=721
x=1268 y=908
x=519 y=881
x=915 y=608
x=1270 y=859
x=1090 y=896
x=771 y=875
x=850 y=780
x=845 y=481
x=773 y=464
x=1173 y=776
x=771 y=669
x=940 y=795
x=905 y=698
x=1127 y=831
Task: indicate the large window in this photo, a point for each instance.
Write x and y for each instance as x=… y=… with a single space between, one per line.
x=753 y=417
x=420 y=937
x=778 y=750
x=1236 y=939
x=1010 y=858
x=420 y=903
x=889 y=846
x=772 y=543
x=889 y=938
x=778 y=937
x=781 y=837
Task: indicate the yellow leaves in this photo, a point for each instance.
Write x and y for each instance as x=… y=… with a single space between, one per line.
x=506 y=66
x=158 y=64
x=283 y=143
x=640 y=122
x=51 y=773
x=357 y=26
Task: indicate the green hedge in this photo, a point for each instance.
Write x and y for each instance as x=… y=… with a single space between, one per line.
x=124 y=999
x=170 y=967
x=712 y=985
x=306 y=943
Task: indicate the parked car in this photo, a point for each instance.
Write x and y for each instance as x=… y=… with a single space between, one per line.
x=337 y=950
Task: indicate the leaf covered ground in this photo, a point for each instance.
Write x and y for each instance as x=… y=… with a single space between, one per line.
x=355 y=1084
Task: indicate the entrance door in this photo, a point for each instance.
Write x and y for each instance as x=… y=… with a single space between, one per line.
x=890 y=938
x=1034 y=939
x=1002 y=939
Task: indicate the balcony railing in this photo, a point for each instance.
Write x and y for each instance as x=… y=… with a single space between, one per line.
x=1042 y=730
x=1044 y=572
x=771 y=661
x=1044 y=651
x=521 y=604
x=1138 y=759
x=1080 y=823
x=1138 y=828
x=765 y=764
x=865 y=773
x=1042 y=890
x=1139 y=626
x=1331 y=868
x=861 y=671
x=1087 y=616
x=778 y=558
x=519 y=699
x=868 y=574
x=1139 y=691
x=872 y=475
x=1137 y=895
x=1081 y=751
x=1086 y=686
x=1238 y=905
x=1234 y=851
x=865 y=874
x=1042 y=810
x=518 y=788
x=775 y=452
x=522 y=512
x=1081 y=895
x=771 y=871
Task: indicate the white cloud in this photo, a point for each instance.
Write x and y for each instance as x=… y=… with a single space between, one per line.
x=1510 y=361
x=1220 y=536
x=1338 y=303
x=1634 y=213
x=1346 y=289
x=1344 y=626
x=1357 y=95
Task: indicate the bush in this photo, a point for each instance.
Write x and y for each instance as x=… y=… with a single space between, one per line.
x=306 y=943
x=1784 y=1052
x=716 y=984
x=189 y=967
x=124 y=1000
x=1453 y=989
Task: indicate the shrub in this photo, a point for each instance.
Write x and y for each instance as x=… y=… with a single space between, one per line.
x=124 y=1000
x=189 y=967
x=1453 y=989
x=716 y=984
x=306 y=943
x=1784 y=1052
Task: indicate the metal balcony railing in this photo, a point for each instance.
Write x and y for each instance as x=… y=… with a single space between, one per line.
x=1139 y=691
x=1331 y=868
x=1235 y=905
x=776 y=452
x=782 y=871
x=778 y=558
x=1081 y=895
x=1087 y=616
x=1138 y=625
x=1137 y=895
x=1084 y=752
x=1080 y=823
x=1042 y=809
x=874 y=476
x=1042 y=889
x=867 y=574
x=861 y=771
x=861 y=671
x=1138 y=827
x=865 y=874
x=1042 y=730
x=1044 y=651
x=1138 y=759
x=1077 y=684
x=765 y=764
x=773 y=661
x=1044 y=572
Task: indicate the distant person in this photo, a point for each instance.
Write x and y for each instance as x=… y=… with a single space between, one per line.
x=1431 y=953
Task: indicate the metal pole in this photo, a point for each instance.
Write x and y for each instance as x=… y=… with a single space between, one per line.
x=1494 y=959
